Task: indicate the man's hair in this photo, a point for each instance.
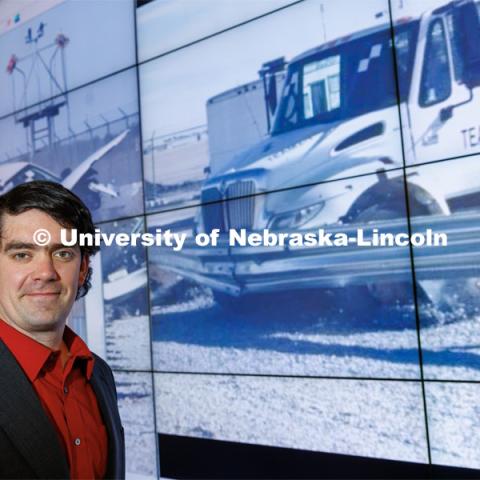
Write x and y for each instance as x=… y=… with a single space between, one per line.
x=57 y=202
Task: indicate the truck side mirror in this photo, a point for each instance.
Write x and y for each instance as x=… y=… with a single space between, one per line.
x=467 y=28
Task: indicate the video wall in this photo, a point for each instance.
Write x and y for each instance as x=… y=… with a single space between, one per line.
x=191 y=116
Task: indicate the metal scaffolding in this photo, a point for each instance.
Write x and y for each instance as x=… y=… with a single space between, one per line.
x=39 y=75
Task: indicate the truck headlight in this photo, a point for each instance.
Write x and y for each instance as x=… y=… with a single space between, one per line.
x=295 y=218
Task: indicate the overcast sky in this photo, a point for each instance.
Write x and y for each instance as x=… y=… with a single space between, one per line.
x=176 y=87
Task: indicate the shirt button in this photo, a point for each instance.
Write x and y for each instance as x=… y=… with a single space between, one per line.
x=77 y=442
x=65 y=390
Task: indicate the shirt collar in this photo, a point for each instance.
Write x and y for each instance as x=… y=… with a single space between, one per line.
x=32 y=355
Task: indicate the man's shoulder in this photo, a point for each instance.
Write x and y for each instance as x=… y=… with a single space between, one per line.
x=101 y=362
x=102 y=366
x=103 y=370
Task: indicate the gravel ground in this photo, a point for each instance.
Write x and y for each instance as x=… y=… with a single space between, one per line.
x=135 y=401
x=369 y=418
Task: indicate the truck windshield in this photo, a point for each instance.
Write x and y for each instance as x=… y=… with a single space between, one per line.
x=347 y=80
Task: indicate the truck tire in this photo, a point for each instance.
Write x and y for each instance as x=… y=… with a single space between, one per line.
x=391 y=293
x=453 y=297
x=386 y=201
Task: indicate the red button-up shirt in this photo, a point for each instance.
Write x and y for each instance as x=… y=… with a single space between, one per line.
x=66 y=396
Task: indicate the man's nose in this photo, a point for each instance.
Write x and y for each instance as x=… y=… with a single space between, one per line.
x=45 y=268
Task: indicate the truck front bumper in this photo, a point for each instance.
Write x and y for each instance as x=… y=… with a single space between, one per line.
x=240 y=270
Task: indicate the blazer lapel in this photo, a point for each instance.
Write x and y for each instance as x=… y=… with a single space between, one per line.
x=108 y=407
x=24 y=420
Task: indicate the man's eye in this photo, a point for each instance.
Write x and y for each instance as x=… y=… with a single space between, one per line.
x=64 y=254
x=20 y=256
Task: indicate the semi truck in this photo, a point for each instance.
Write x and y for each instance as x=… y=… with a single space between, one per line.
x=347 y=108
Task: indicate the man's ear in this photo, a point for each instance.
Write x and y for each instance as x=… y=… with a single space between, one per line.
x=83 y=270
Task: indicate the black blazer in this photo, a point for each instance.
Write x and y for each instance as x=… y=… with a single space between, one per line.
x=29 y=443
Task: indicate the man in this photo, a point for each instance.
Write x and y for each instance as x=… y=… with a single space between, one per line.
x=58 y=405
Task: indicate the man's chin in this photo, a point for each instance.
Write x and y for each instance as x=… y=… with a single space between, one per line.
x=44 y=320
x=43 y=307
x=46 y=324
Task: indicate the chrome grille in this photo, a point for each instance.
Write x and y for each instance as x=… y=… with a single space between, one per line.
x=233 y=213
x=240 y=212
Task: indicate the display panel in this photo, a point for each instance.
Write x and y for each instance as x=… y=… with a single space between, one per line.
x=90 y=145
x=186 y=21
x=208 y=113
x=438 y=77
x=287 y=306
x=449 y=285
x=453 y=423
x=367 y=418
x=62 y=48
x=135 y=402
x=244 y=137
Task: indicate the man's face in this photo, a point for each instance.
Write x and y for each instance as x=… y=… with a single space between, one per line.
x=38 y=285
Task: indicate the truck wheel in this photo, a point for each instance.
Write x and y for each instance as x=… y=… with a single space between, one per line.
x=458 y=296
x=389 y=293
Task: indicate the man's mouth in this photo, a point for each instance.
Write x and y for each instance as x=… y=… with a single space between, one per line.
x=42 y=294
